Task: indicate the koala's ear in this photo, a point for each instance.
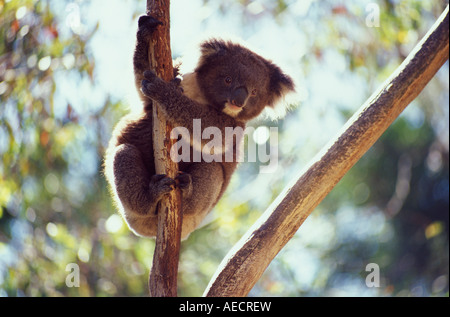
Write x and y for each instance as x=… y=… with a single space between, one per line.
x=280 y=84
x=211 y=49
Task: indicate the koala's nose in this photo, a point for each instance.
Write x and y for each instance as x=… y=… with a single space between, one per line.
x=238 y=97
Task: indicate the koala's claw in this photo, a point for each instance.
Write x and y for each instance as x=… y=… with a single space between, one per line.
x=161 y=185
x=149 y=75
x=183 y=179
x=148 y=84
x=184 y=182
x=147 y=88
x=148 y=21
x=146 y=26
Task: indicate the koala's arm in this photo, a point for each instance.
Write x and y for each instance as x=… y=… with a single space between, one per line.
x=146 y=26
x=180 y=109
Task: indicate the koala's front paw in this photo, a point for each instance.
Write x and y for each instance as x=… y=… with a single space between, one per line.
x=150 y=75
x=161 y=185
x=148 y=85
x=184 y=182
x=147 y=24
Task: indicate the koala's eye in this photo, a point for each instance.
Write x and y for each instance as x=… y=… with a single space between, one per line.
x=254 y=92
x=228 y=80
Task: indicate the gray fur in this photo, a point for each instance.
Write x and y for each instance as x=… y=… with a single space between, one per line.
x=230 y=86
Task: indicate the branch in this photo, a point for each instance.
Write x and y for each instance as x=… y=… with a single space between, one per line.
x=163 y=277
x=245 y=263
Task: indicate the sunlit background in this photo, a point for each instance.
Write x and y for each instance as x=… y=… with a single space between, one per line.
x=66 y=79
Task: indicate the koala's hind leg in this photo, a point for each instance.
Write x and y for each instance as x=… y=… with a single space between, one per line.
x=137 y=190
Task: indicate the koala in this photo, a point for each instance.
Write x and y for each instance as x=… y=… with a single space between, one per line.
x=230 y=86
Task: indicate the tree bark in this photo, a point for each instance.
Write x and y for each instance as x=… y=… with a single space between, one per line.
x=163 y=276
x=245 y=263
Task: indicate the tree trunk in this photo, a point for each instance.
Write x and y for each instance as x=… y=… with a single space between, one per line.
x=163 y=276
x=245 y=263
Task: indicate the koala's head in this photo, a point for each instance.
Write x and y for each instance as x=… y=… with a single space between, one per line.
x=239 y=82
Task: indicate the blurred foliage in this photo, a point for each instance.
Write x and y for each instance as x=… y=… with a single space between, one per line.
x=55 y=209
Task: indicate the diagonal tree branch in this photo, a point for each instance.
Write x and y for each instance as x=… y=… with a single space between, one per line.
x=245 y=263
x=163 y=276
